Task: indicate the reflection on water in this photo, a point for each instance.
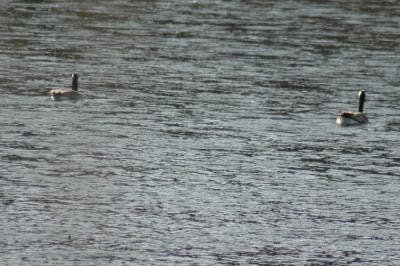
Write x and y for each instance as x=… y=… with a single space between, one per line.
x=208 y=135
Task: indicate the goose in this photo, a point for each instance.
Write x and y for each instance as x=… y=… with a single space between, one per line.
x=353 y=118
x=60 y=94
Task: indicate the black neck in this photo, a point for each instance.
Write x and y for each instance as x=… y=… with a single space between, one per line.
x=361 y=102
x=75 y=82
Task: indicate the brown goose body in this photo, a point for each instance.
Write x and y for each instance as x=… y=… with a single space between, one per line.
x=351 y=119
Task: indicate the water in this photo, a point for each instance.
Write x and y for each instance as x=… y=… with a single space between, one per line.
x=208 y=135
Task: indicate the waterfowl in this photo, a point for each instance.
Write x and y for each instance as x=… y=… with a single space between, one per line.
x=353 y=118
x=60 y=94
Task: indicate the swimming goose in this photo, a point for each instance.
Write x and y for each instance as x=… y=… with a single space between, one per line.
x=353 y=118
x=60 y=94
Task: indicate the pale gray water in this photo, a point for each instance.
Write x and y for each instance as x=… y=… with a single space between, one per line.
x=208 y=135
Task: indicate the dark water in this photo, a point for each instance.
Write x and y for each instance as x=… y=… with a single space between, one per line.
x=208 y=136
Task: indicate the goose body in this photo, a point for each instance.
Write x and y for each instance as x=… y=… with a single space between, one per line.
x=61 y=94
x=353 y=118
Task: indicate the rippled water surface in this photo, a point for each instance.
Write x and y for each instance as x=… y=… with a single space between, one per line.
x=207 y=136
